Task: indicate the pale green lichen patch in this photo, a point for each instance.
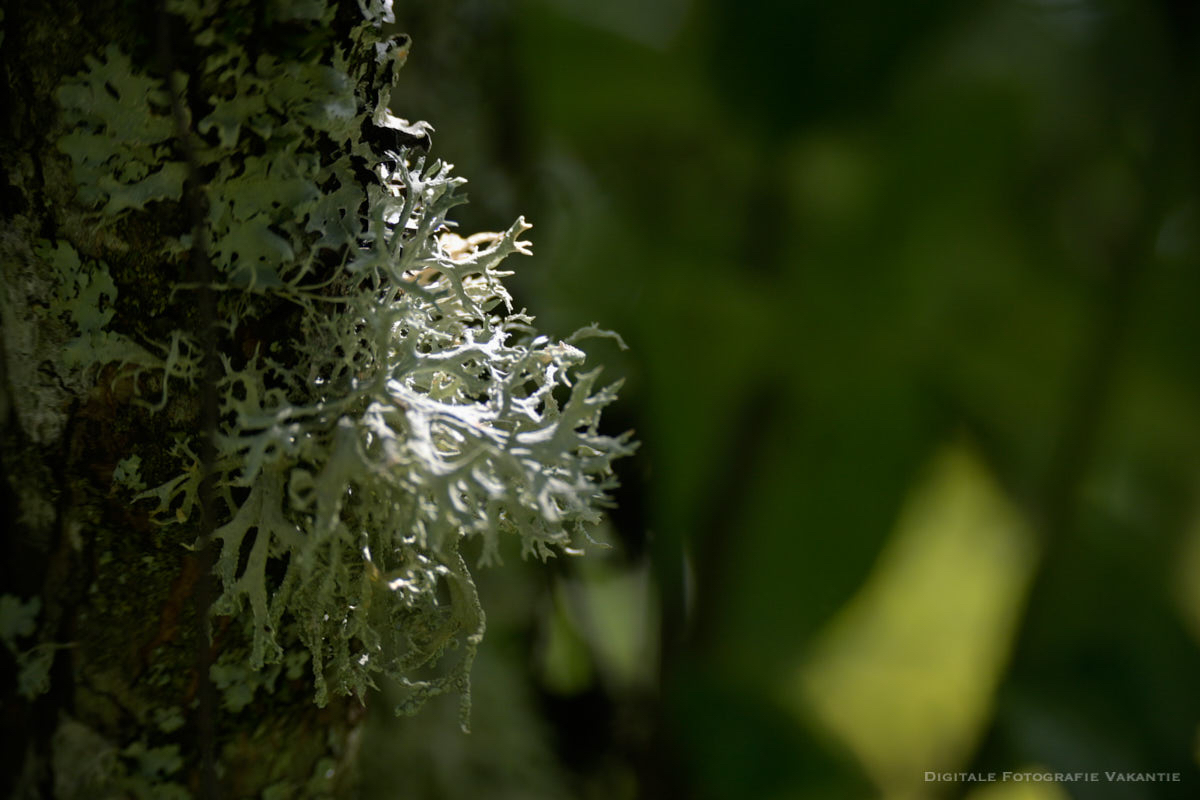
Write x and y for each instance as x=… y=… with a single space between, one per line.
x=403 y=409
x=238 y=682
x=121 y=137
x=87 y=765
x=169 y=719
x=128 y=473
x=18 y=620
x=84 y=298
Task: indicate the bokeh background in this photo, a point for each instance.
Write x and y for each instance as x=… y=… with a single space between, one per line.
x=910 y=291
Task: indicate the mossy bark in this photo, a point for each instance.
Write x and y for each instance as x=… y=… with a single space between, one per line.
x=121 y=717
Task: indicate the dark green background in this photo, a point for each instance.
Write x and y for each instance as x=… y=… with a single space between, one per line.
x=910 y=292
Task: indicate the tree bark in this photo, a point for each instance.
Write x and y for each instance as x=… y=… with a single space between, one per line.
x=119 y=608
x=243 y=347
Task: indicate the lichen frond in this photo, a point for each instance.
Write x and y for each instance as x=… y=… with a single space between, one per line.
x=403 y=410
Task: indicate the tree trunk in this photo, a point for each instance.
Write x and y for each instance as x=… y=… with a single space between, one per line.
x=91 y=268
x=259 y=397
x=125 y=714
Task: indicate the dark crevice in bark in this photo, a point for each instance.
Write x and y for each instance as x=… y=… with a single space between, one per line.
x=194 y=202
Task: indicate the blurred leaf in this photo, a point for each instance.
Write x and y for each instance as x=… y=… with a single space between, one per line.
x=905 y=673
x=614 y=611
x=565 y=661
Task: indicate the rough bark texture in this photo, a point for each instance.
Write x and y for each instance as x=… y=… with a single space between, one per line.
x=120 y=718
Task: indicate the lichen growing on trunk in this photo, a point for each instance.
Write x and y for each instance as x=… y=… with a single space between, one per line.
x=379 y=401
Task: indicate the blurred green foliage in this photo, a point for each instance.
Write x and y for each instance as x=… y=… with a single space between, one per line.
x=910 y=295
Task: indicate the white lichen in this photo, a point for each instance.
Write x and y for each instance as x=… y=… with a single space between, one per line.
x=405 y=410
